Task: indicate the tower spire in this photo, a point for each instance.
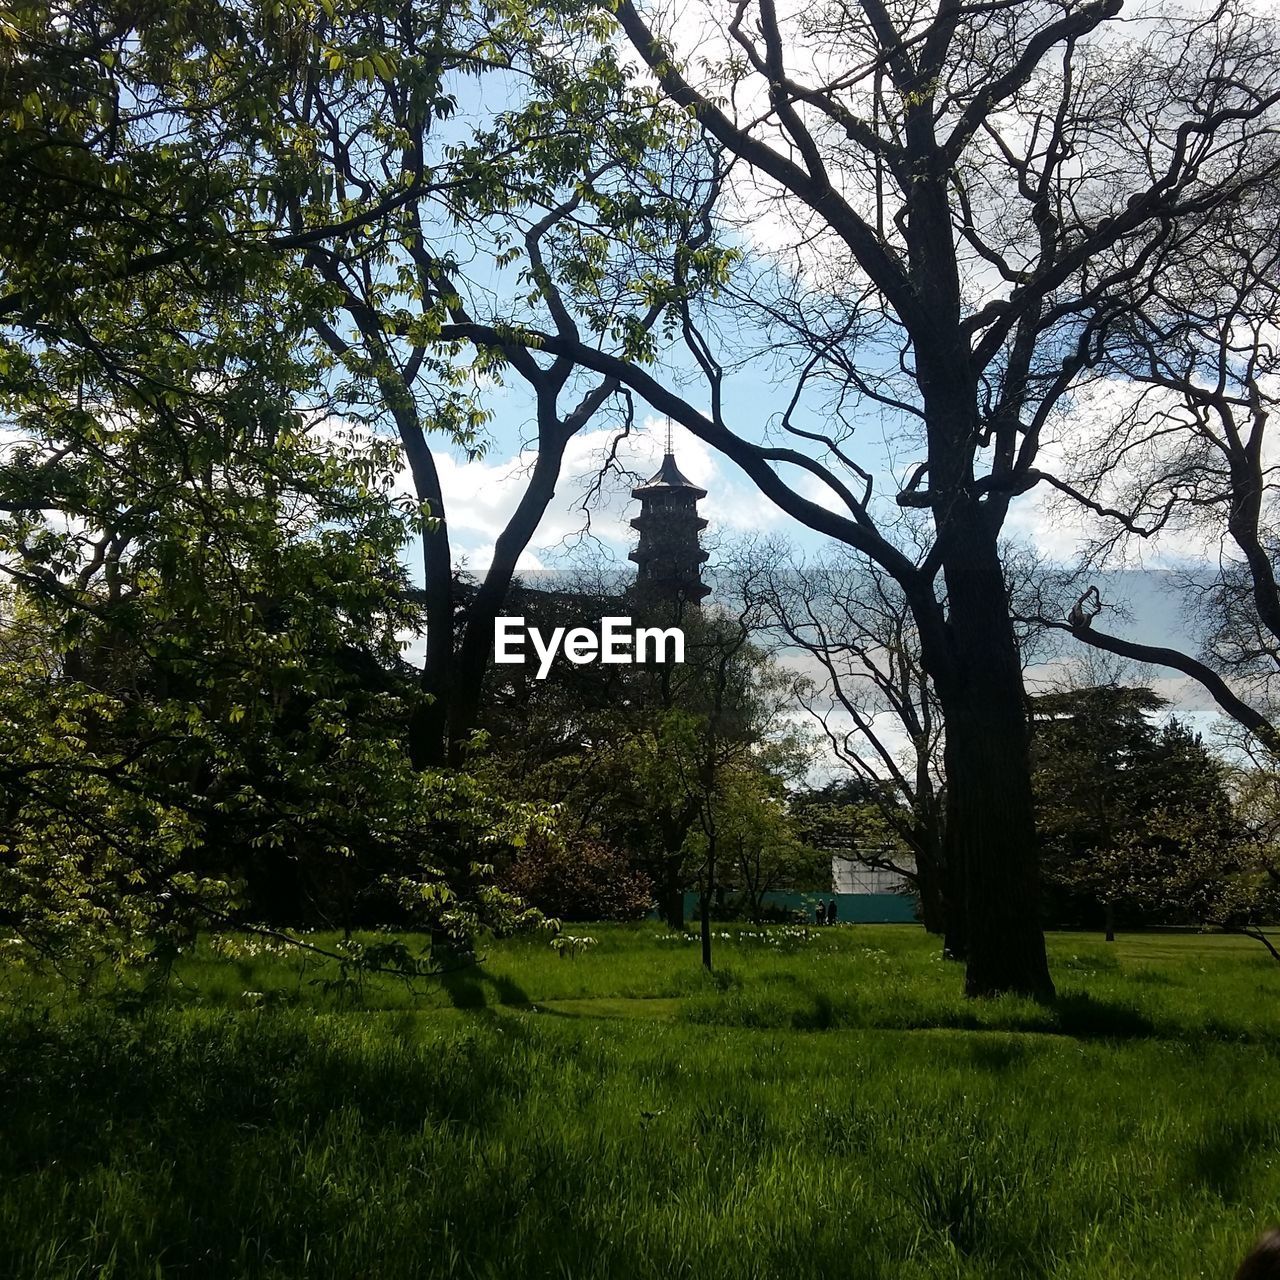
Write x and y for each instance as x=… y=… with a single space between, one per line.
x=669 y=554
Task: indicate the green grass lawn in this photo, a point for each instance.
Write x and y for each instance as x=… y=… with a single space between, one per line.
x=826 y=1104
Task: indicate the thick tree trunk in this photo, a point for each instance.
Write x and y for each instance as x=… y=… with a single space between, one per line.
x=955 y=937
x=1109 y=920
x=990 y=828
x=428 y=727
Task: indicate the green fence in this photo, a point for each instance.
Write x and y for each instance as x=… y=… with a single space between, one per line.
x=851 y=908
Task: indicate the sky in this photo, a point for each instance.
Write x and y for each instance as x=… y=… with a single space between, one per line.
x=481 y=494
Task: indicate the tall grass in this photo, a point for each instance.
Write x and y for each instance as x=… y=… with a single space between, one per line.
x=827 y=1106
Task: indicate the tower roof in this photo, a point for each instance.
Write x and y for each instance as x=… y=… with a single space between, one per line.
x=667 y=476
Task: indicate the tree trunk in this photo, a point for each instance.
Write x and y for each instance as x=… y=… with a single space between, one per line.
x=709 y=893
x=472 y=661
x=955 y=936
x=990 y=829
x=933 y=912
x=1109 y=920
x=427 y=730
x=672 y=904
x=428 y=726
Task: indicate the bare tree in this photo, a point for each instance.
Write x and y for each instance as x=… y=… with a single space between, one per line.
x=867 y=687
x=974 y=192
x=864 y=684
x=1183 y=449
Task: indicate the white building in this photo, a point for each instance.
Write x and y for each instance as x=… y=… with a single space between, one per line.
x=853 y=875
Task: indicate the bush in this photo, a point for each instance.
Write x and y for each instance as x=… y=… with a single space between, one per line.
x=579 y=879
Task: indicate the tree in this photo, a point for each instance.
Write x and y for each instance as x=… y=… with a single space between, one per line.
x=640 y=756
x=725 y=744
x=760 y=839
x=954 y=266
x=582 y=184
x=853 y=819
x=323 y=147
x=875 y=705
x=1185 y=450
x=1126 y=805
x=578 y=879
x=700 y=730
x=203 y=709
x=205 y=706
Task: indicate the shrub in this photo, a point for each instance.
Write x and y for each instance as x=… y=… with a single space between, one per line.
x=579 y=879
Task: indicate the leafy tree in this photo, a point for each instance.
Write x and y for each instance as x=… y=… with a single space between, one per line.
x=578 y=879
x=206 y=714
x=557 y=211
x=640 y=755
x=203 y=713
x=854 y=818
x=205 y=709
x=1126 y=806
x=720 y=729
x=760 y=841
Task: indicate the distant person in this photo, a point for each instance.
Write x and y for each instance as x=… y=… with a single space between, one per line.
x=819 y=914
x=833 y=912
x=1263 y=1260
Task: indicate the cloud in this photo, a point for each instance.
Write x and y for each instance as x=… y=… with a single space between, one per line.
x=593 y=495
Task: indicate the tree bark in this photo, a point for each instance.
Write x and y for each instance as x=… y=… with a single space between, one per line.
x=955 y=935
x=427 y=729
x=709 y=888
x=933 y=910
x=672 y=904
x=990 y=829
x=472 y=660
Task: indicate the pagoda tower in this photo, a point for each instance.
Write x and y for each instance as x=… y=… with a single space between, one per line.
x=669 y=555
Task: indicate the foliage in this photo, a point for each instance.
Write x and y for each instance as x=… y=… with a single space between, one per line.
x=847 y=817
x=203 y=701
x=1133 y=815
x=645 y=756
x=760 y=845
x=205 y=709
x=578 y=878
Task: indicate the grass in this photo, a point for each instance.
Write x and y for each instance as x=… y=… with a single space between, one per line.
x=824 y=1105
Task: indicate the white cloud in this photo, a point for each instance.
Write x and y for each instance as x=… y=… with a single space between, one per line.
x=481 y=495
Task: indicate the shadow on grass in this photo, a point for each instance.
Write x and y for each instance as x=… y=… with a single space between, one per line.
x=822 y=1015
x=1086 y=1017
x=78 y=1091
x=1222 y=1157
x=1078 y=1015
x=471 y=988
